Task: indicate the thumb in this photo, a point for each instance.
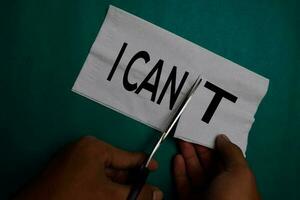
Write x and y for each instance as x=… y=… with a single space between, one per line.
x=230 y=153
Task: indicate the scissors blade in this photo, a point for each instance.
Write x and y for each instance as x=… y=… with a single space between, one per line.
x=182 y=107
x=175 y=118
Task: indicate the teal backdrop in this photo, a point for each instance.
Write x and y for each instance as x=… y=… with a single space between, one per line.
x=44 y=45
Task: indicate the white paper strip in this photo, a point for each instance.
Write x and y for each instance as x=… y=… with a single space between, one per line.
x=144 y=72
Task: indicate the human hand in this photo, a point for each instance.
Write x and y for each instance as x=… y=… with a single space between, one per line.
x=89 y=169
x=220 y=174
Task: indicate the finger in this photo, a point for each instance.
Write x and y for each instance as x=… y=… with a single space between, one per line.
x=118 y=176
x=193 y=165
x=230 y=153
x=112 y=156
x=148 y=192
x=120 y=159
x=181 y=177
x=205 y=155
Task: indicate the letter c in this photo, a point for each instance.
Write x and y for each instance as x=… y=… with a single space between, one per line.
x=132 y=86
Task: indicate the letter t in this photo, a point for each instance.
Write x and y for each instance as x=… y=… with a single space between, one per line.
x=219 y=94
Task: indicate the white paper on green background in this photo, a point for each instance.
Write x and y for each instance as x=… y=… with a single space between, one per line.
x=125 y=36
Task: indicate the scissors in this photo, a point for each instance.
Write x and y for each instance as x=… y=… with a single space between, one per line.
x=143 y=171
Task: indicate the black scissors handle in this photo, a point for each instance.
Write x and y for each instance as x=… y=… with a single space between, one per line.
x=138 y=182
x=141 y=175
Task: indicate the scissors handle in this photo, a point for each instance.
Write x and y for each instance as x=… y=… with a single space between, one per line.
x=138 y=182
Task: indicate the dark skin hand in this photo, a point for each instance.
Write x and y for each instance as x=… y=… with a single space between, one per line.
x=220 y=174
x=91 y=170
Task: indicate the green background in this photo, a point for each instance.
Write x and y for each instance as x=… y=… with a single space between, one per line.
x=44 y=45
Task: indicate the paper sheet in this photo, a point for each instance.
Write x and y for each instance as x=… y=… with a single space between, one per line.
x=144 y=72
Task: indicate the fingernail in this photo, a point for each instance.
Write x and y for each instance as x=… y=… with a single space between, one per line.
x=224 y=137
x=157 y=195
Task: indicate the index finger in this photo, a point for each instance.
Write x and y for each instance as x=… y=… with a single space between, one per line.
x=193 y=165
x=120 y=159
x=205 y=155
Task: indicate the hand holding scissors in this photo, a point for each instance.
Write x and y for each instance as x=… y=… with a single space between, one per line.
x=143 y=172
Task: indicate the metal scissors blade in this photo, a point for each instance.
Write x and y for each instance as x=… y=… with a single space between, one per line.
x=143 y=171
x=175 y=118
